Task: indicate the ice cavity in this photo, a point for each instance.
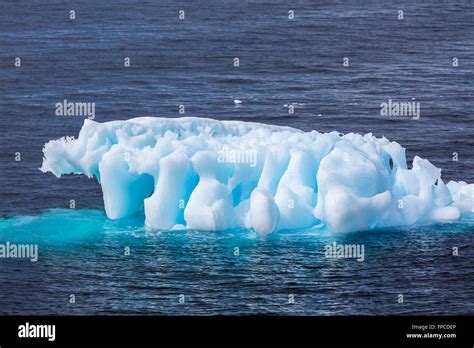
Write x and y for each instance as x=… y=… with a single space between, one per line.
x=213 y=175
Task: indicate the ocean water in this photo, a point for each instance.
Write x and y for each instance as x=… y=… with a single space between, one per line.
x=191 y=62
x=83 y=253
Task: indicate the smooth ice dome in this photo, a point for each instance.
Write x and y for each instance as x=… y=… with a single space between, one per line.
x=213 y=175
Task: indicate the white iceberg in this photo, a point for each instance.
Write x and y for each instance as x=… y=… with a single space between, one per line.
x=213 y=175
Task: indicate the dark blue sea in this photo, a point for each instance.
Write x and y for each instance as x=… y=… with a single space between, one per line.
x=190 y=62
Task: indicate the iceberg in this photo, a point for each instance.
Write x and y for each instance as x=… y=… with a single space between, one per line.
x=211 y=175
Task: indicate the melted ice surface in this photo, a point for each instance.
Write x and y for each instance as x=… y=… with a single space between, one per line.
x=214 y=175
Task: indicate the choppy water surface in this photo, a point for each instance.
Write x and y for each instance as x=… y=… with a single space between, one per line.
x=83 y=253
x=190 y=62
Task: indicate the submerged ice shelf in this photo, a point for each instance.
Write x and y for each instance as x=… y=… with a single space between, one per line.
x=213 y=175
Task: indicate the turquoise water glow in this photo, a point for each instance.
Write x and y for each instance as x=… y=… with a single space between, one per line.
x=81 y=252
